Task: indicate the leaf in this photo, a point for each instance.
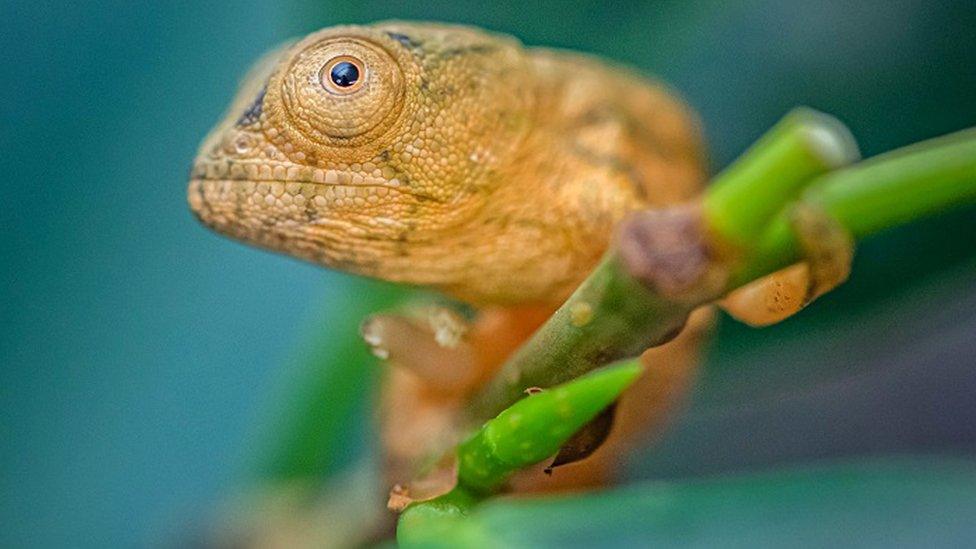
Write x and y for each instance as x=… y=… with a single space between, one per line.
x=921 y=502
x=323 y=409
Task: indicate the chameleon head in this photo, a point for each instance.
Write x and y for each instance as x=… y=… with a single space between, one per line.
x=361 y=147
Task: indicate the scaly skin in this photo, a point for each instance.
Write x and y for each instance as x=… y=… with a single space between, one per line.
x=459 y=161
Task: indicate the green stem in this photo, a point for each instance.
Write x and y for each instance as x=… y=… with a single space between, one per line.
x=886 y=191
x=535 y=428
x=527 y=432
x=597 y=325
x=624 y=315
x=743 y=198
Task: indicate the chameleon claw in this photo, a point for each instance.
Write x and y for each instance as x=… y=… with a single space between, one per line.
x=448 y=326
x=432 y=349
x=827 y=250
x=827 y=247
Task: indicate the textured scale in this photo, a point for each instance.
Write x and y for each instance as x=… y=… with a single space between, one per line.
x=458 y=160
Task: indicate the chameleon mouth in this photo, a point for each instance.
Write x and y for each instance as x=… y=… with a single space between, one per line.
x=253 y=201
x=225 y=192
x=229 y=170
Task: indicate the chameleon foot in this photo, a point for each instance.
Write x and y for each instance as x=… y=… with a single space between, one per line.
x=428 y=343
x=828 y=250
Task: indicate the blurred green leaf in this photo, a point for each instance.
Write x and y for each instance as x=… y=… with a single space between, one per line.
x=924 y=502
x=323 y=411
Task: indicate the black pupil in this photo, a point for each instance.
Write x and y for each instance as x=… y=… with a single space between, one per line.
x=344 y=74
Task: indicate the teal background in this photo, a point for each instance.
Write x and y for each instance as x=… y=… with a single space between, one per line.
x=140 y=355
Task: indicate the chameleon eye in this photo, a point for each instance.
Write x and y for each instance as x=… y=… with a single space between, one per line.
x=335 y=90
x=343 y=74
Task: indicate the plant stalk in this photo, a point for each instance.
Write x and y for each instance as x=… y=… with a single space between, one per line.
x=638 y=299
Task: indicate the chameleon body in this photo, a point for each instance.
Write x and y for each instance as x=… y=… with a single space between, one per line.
x=443 y=156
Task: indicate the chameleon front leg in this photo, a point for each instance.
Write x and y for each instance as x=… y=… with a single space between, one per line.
x=828 y=251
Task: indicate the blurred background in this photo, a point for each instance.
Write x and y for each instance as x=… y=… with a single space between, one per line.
x=141 y=356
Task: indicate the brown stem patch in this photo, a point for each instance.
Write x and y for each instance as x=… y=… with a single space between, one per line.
x=669 y=252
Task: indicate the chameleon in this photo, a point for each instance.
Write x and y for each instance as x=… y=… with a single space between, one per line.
x=451 y=158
